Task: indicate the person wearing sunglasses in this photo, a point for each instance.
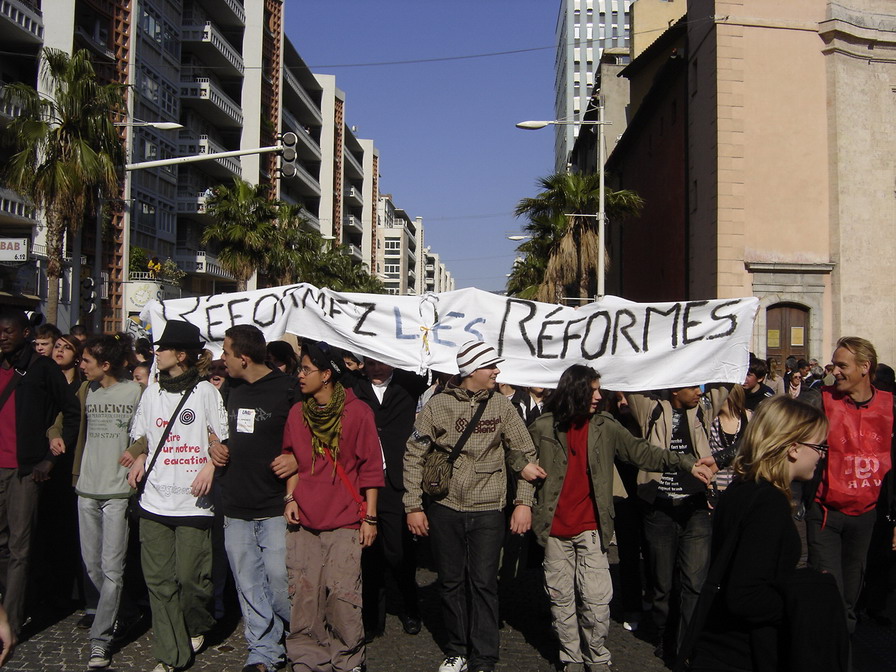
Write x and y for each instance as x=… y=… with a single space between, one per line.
x=750 y=623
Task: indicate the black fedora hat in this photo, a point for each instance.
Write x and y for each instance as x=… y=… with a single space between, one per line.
x=181 y=336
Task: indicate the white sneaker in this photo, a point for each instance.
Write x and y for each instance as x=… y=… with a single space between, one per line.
x=197 y=642
x=99 y=658
x=453 y=664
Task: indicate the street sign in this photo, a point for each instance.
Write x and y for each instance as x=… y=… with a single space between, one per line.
x=13 y=249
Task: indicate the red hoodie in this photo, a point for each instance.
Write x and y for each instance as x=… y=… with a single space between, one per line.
x=324 y=501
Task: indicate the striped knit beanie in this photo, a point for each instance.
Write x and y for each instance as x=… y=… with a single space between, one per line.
x=476 y=355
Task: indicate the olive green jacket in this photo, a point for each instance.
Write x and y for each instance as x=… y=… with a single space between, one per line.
x=607 y=440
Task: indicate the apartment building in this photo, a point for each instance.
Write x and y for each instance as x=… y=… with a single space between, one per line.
x=398 y=263
x=436 y=277
x=584 y=29
x=227 y=73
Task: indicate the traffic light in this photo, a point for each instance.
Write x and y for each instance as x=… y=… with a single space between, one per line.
x=88 y=295
x=288 y=154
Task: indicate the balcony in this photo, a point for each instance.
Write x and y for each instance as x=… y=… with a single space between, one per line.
x=354 y=252
x=20 y=22
x=226 y=167
x=8 y=111
x=207 y=42
x=308 y=112
x=307 y=146
x=353 y=197
x=226 y=12
x=352 y=163
x=15 y=210
x=412 y=257
x=206 y=97
x=40 y=252
x=352 y=223
x=304 y=183
x=192 y=203
x=200 y=262
x=96 y=41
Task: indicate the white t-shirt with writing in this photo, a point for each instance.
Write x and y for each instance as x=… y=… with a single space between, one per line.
x=185 y=452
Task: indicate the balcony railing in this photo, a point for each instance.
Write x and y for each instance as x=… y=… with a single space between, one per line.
x=40 y=251
x=13 y=206
x=355 y=252
x=191 y=202
x=25 y=20
x=212 y=101
x=207 y=40
x=200 y=262
x=95 y=42
x=353 y=162
x=293 y=84
x=189 y=145
x=352 y=223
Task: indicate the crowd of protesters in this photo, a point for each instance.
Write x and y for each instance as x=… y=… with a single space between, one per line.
x=307 y=473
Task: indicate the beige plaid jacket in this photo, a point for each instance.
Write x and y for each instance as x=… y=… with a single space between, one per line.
x=479 y=482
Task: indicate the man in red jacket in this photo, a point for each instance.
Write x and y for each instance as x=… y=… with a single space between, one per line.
x=842 y=517
x=340 y=467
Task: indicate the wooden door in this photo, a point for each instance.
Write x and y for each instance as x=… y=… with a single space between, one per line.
x=786 y=332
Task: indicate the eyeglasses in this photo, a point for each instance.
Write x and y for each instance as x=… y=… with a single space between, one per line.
x=306 y=370
x=820 y=448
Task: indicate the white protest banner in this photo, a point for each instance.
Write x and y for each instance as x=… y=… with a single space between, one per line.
x=635 y=346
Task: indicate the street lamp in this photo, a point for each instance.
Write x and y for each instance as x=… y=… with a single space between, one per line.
x=518 y=237
x=159 y=125
x=600 y=123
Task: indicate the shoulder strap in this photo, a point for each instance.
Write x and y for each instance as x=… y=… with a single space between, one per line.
x=341 y=473
x=468 y=430
x=183 y=400
x=655 y=415
x=10 y=387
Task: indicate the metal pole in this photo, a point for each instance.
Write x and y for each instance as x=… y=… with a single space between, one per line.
x=74 y=313
x=97 y=268
x=201 y=157
x=601 y=259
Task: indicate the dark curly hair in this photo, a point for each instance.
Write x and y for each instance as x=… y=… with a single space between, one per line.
x=116 y=350
x=571 y=401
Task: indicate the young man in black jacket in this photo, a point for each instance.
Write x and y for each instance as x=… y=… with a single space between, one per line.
x=392 y=395
x=252 y=494
x=33 y=391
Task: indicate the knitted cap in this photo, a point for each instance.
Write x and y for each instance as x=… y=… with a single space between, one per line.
x=476 y=355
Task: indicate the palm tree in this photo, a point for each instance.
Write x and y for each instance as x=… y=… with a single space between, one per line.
x=243 y=227
x=573 y=249
x=67 y=151
x=295 y=252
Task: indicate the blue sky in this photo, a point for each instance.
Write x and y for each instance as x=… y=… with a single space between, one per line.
x=449 y=150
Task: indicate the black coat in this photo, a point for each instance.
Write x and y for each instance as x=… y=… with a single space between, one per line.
x=42 y=394
x=394 y=417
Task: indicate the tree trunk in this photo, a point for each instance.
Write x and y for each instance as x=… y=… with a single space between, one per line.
x=54 y=267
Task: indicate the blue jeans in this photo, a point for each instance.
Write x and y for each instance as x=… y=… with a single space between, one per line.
x=467 y=547
x=257 y=553
x=104 y=545
x=679 y=538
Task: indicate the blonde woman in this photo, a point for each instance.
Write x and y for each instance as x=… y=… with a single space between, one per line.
x=744 y=624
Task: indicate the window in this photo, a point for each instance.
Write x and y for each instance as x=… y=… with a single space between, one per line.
x=393 y=244
x=393 y=268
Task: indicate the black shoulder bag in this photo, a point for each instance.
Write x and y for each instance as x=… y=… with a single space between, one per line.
x=134 y=500
x=438 y=465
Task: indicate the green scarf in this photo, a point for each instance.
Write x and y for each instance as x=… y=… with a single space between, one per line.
x=180 y=383
x=325 y=424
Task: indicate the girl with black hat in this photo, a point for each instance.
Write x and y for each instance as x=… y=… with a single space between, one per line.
x=177 y=415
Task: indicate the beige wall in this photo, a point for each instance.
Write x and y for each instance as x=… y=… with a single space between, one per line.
x=649 y=18
x=862 y=127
